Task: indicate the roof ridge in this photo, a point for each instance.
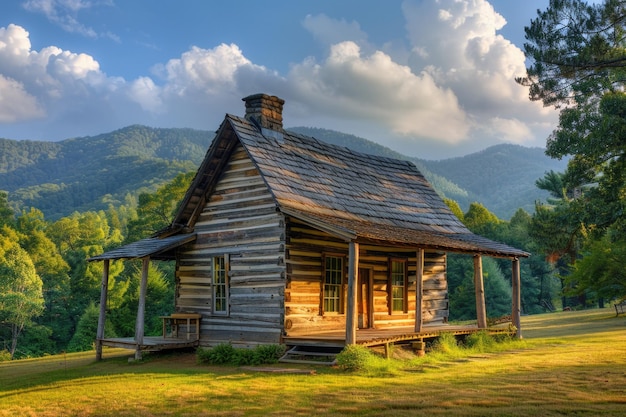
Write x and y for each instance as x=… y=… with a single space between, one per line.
x=323 y=144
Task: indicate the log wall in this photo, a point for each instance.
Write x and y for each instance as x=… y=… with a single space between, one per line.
x=239 y=222
x=305 y=248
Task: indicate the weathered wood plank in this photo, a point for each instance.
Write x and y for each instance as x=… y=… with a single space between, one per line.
x=240 y=210
x=212 y=240
x=229 y=212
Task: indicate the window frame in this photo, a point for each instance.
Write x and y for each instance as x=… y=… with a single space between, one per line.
x=224 y=285
x=340 y=287
x=404 y=286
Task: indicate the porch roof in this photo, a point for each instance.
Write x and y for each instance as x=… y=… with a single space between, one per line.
x=156 y=248
x=369 y=232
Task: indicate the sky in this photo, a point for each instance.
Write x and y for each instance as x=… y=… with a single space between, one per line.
x=431 y=79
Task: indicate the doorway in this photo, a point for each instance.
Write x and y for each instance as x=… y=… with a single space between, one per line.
x=365 y=299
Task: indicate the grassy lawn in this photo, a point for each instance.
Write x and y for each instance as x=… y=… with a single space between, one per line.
x=569 y=363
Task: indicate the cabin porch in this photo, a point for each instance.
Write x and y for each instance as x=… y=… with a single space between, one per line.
x=180 y=331
x=323 y=347
x=383 y=336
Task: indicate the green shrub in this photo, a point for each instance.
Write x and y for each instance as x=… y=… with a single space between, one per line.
x=446 y=343
x=480 y=342
x=355 y=358
x=244 y=357
x=221 y=354
x=269 y=353
x=226 y=354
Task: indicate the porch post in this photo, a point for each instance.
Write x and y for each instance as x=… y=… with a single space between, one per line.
x=141 y=308
x=419 y=280
x=103 y=305
x=479 y=288
x=517 y=298
x=351 y=313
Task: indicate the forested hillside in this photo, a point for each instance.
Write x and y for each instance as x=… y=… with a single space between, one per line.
x=91 y=173
x=501 y=177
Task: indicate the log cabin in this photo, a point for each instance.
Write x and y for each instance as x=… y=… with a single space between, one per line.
x=282 y=238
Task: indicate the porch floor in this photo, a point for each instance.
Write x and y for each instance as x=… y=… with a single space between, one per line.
x=383 y=336
x=150 y=343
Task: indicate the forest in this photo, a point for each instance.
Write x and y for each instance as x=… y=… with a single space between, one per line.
x=48 y=289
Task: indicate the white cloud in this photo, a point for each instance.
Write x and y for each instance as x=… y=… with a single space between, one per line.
x=206 y=70
x=64 y=13
x=193 y=90
x=375 y=89
x=510 y=130
x=456 y=41
x=455 y=85
x=16 y=104
x=63 y=85
x=197 y=88
x=75 y=66
x=147 y=94
x=51 y=73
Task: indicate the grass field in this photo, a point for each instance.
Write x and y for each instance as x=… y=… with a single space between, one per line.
x=569 y=363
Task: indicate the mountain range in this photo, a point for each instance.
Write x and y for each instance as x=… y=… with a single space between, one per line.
x=91 y=173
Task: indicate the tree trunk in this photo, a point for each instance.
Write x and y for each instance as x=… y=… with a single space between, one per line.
x=15 y=333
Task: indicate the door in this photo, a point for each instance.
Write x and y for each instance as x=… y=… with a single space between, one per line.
x=365 y=299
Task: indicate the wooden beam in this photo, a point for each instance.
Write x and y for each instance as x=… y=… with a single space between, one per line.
x=479 y=288
x=141 y=308
x=351 y=313
x=103 y=305
x=419 y=283
x=517 y=299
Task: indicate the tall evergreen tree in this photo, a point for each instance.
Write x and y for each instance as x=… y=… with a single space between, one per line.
x=578 y=64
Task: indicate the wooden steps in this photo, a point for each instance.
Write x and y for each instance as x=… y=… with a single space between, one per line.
x=313 y=355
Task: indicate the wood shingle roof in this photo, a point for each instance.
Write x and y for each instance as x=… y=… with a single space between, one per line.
x=349 y=194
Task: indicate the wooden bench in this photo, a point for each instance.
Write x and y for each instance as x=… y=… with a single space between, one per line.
x=620 y=308
x=173 y=322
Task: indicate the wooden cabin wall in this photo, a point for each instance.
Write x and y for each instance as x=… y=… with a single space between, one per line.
x=434 y=287
x=239 y=221
x=305 y=248
x=304 y=254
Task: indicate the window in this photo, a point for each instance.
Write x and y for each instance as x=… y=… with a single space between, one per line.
x=398 y=286
x=220 y=285
x=333 y=285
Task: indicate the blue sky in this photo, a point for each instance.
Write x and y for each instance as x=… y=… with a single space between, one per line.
x=428 y=78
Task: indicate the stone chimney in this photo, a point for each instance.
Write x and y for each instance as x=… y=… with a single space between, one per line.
x=266 y=111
